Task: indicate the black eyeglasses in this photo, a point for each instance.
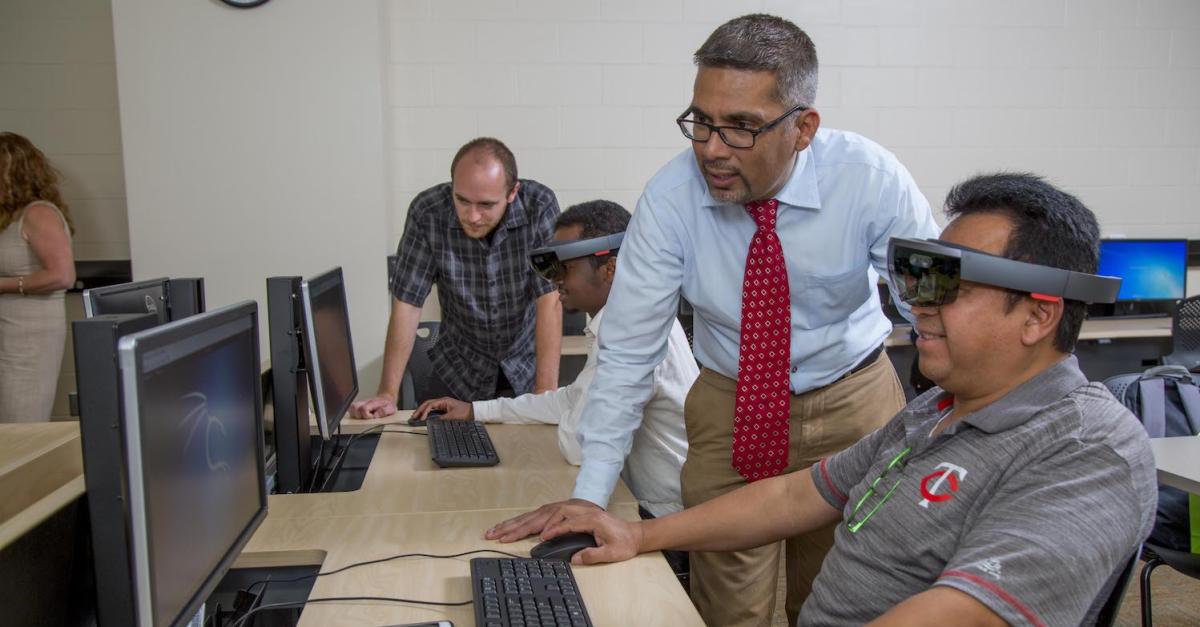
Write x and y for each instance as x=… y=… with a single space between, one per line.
x=733 y=136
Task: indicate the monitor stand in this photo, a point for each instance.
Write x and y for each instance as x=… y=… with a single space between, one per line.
x=348 y=473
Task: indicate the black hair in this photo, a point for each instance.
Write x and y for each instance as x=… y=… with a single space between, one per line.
x=1050 y=228
x=597 y=219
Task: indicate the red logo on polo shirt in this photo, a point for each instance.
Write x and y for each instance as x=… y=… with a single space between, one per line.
x=948 y=475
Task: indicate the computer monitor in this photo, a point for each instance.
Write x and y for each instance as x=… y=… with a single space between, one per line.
x=168 y=299
x=1152 y=270
x=138 y=297
x=328 y=347
x=192 y=423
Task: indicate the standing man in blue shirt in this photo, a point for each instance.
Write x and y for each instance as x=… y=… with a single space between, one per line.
x=776 y=232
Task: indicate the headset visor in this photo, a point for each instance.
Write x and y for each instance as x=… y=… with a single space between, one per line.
x=922 y=277
x=927 y=273
x=550 y=261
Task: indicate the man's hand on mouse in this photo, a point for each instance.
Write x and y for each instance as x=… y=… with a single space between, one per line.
x=616 y=540
x=378 y=407
x=531 y=523
x=452 y=409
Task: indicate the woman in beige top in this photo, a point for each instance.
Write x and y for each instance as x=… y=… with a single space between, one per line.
x=36 y=267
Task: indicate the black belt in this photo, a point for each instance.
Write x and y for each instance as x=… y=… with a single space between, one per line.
x=866 y=361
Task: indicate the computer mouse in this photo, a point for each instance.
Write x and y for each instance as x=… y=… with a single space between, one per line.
x=413 y=421
x=563 y=547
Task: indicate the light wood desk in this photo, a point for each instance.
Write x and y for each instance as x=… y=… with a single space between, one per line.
x=1178 y=462
x=407 y=504
x=41 y=471
x=574 y=345
x=403 y=479
x=642 y=590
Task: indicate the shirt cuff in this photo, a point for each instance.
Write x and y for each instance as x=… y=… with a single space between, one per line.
x=595 y=484
x=997 y=599
x=825 y=486
x=486 y=411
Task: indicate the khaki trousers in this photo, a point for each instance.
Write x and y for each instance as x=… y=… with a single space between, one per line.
x=738 y=588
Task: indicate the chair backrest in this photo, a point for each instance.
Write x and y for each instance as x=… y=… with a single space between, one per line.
x=414 y=385
x=1185 y=334
x=1103 y=612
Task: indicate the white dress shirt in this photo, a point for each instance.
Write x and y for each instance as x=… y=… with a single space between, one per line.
x=659 y=444
x=845 y=198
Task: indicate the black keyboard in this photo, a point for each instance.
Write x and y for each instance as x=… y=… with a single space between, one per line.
x=522 y=592
x=460 y=443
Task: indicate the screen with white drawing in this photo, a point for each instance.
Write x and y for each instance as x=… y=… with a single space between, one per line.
x=200 y=448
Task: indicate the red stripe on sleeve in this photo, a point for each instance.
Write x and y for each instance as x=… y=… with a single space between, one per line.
x=829 y=482
x=1000 y=592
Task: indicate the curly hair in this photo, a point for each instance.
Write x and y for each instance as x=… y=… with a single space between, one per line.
x=26 y=176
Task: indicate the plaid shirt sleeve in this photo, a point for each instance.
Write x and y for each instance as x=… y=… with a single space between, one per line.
x=544 y=211
x=416 y=269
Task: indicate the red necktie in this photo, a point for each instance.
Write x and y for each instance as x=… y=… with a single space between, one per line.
x=760 y=416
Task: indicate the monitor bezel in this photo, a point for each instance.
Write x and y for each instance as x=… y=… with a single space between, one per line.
x=1147 y=240
x=129 y=351
x=163 y=312
x=308 y=287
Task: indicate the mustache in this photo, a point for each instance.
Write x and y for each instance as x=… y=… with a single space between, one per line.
x=720 y=165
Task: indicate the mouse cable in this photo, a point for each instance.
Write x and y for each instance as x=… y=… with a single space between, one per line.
x=278 y=606
x=250 y=588
x=341 y=457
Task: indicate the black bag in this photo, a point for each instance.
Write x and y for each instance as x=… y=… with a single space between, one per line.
x=1167 y=401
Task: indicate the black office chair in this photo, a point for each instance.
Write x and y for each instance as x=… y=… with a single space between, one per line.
x=1186 y=563
x=1154 y=554
x=1185 y=335
x=414 y=386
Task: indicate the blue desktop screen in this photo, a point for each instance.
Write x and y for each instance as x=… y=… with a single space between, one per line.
x=1150 y=270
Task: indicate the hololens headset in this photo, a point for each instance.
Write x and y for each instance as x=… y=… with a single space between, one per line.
x=927 y=272
x=549 y=261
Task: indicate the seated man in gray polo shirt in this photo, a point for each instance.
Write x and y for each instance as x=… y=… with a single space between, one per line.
x=1011 y=493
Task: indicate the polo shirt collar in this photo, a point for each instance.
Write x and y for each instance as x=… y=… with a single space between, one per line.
x=1012 y=410
x=800 y=191
x=1020 y=404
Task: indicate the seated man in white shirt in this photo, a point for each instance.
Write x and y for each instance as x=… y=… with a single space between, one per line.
x=660 y=444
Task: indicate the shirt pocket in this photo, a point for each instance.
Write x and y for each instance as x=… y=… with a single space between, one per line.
x=827 y=299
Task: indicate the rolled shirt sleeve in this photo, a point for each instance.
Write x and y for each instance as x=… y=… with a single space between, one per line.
x=909 y=216
x=416 y=264
x=633 y=341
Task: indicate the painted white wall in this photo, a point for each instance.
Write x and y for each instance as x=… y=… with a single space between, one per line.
x=1101 y=96
x=58 y=87
x=254 y=147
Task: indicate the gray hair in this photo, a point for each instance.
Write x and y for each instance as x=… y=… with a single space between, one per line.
x=763 y=42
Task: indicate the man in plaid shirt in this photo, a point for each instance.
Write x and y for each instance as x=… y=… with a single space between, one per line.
x=472 y=238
